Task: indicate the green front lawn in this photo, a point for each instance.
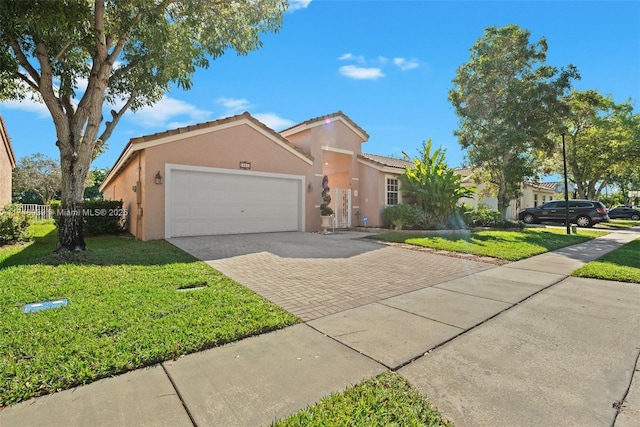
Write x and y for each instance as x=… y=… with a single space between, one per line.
x=125 y=311
x=622 y=265
x=386 y=400
x=507 y=245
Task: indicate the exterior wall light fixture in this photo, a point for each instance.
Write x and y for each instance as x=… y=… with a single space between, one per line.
x=158 y=178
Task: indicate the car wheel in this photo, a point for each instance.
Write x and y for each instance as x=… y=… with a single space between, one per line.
x=529 y=218
x=635 y=217
x=584 y=221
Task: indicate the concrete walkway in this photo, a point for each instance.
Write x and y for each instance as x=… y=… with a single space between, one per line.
x=519 y=344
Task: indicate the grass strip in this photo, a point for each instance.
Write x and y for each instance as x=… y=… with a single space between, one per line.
x=620 y=224
x=124 y=311
x=508 y=245
x=386 y=400
x=621 y=265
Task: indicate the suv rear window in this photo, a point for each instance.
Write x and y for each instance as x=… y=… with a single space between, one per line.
x=551 y=205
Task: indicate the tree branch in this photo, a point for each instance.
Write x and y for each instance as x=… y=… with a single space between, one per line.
x=28 y=81
x=122 y=40
x=46 y=89
x=64 y=48
x=98 y=26
x=22 y=59
x=116 y=115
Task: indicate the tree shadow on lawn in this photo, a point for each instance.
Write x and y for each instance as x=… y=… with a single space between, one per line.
x=121 y=249
x=625 y=256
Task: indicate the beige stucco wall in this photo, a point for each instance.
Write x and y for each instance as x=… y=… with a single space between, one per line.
x=121 y=189
x=6 y=166
x=224 y=148
x=371 y=195
x=5 y=176
x=335 y=146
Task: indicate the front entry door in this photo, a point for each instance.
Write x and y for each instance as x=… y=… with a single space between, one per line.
x=342 y=208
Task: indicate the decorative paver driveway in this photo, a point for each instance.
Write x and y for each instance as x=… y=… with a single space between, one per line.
x=313 y=275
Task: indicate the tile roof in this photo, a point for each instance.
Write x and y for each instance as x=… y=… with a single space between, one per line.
x=325 y=117
x=543 y=185
x=126 y=154
x=214 y=123
x=387 y=161
x=463 y=171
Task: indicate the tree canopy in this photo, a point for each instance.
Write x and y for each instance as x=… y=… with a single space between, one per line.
x=37 y=175
x=602 y=142
x=508 y=102
x=76 y=56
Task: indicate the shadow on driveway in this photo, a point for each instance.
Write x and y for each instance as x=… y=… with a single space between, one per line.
x=283 y=245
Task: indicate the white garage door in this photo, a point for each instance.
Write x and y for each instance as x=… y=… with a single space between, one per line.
x=219 y=202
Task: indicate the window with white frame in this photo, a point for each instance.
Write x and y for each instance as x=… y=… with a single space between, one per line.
x=535 y=200
x=393 y=191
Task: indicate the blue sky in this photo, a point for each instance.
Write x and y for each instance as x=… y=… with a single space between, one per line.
x=388 y=65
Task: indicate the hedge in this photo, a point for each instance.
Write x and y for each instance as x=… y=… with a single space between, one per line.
x=14 y=224
x=98 y=216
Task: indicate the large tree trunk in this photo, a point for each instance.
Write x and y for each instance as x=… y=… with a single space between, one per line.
x=75 y=168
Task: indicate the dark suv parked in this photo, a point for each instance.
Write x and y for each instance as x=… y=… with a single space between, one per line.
x=584 y=213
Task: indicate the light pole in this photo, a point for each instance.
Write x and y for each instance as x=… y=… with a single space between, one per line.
x=566 y=187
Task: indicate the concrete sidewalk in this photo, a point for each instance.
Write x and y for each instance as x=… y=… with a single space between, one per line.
x=519 y=344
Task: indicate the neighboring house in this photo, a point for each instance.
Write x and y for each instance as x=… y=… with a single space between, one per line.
x=480 y=197
x=236 y=175
x=536 y=194
x=7 y=163
x=532 y=194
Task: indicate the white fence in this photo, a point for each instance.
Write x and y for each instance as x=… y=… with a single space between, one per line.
x=39 y=211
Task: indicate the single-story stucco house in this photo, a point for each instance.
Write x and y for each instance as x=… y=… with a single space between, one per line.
x=237 y=175
x=7 y=163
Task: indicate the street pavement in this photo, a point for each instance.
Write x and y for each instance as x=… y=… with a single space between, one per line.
x=520 y=344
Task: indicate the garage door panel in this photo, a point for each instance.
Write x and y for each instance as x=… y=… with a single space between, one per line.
x=203 y=203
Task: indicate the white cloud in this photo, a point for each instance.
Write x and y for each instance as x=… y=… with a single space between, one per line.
x=298 y=4
x=405 y=64
x=361 y=73
x=351 y=57
x=29 y=105
x=274 y=121
x=234 y=106
x=169 y=108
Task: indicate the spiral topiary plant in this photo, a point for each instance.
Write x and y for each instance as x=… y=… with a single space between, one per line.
x=325 y=210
